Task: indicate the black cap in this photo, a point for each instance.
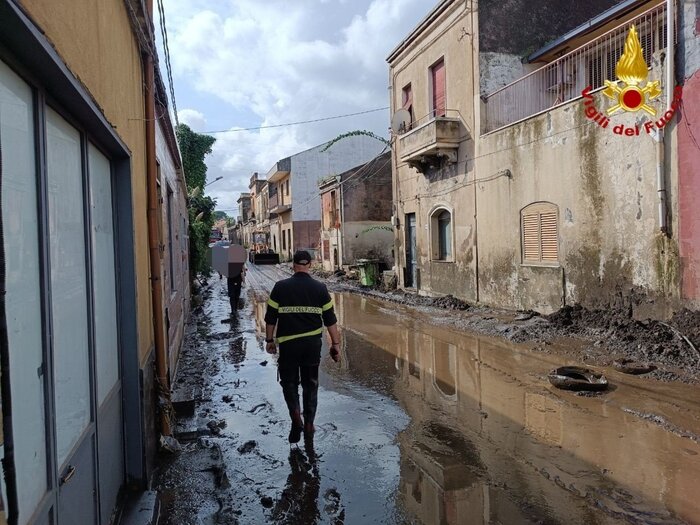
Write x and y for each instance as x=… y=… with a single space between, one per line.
x=302 y=257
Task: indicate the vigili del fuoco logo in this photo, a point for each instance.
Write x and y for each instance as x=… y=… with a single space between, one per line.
x=631 y=92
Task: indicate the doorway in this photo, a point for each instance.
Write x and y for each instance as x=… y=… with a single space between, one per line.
x=410 y=274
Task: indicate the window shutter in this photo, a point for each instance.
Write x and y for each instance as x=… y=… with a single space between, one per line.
x=540 y=233
x=407 y=97
x=531 y=237
x=438 y=78
x=549 y=236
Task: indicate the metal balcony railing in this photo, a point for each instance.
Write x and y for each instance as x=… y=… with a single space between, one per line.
x=563 y=79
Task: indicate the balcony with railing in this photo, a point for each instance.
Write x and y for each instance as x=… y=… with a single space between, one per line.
x=563 y=79
x=432 y=139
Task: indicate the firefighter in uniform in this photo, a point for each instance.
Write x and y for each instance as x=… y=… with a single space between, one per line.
x=299 y=307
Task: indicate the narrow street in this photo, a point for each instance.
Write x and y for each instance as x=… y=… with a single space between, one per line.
x=418 y=424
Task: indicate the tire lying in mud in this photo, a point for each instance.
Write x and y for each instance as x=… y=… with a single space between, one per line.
x=577 y=378
x=628 y=366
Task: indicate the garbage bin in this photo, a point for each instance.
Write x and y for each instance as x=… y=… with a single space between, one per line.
x=369 y=270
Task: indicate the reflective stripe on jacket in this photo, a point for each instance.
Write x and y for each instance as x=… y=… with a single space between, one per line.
x=300 y=306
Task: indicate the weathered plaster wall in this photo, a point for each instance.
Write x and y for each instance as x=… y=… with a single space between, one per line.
x=498 y=70
x=285 y=227
x=370 y=198
x=306 y=236
x=449 y=187
x=368 y=240
x=175 y=297
x=110 y=68
x=605 y=188
x=522 y=26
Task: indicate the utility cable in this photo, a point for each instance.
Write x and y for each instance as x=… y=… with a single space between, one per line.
x=166 y=51
x=295 y=123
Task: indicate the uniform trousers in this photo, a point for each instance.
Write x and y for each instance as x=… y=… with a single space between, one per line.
x=298 y=363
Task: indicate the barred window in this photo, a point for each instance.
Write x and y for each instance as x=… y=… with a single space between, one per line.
x=539 y=226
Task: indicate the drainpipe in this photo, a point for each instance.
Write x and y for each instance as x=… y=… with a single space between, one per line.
x=8 y=460
x=660 y=146
x=153 y=233
x=476 y=131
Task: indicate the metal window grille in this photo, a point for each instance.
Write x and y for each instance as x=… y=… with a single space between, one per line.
x=563 y=79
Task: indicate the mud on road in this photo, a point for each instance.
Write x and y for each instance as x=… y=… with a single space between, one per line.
x=602 y=336
x=420 y=423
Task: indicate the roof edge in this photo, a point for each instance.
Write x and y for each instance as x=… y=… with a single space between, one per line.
x=425 y=22
x=617 y=10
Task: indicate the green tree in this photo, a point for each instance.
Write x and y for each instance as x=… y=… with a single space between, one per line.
x=201 y=208
x=218 y=215
x=194 y=147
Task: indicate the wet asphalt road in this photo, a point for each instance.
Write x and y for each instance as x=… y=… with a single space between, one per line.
x=420 y=424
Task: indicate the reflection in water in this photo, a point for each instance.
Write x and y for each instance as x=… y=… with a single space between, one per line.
x=260 y=309
x=299 y=501
x=490 y=442
x=444 y=364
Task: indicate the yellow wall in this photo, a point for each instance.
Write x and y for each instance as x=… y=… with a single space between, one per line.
x=110 y=68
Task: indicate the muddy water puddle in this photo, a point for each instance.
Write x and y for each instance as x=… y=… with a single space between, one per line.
x=420 y=424
x=491 y=441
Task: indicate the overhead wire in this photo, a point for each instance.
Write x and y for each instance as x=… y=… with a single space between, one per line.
x=166 y=52
x=233 y=130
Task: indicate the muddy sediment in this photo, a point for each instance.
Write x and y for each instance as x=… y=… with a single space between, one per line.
x=672 y=347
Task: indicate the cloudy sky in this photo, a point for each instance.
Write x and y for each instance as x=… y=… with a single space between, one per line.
x=249 y=63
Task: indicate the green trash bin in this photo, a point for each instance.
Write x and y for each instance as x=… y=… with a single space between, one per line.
x=369 y=271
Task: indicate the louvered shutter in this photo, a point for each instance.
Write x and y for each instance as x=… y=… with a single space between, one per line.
x=531 y=237
x=540 y=233
x=549 y=241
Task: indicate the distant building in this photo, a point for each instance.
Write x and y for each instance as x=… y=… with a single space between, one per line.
x=356 y=209
x=241 y=228
x=293 y=193
x=256 y=233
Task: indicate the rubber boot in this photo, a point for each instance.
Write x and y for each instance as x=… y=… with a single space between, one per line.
x=309 y=429
x=297 y=427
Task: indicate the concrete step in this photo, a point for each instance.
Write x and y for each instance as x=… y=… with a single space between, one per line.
x=141 y=509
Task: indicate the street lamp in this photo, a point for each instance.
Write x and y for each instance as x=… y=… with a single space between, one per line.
x=212 y=182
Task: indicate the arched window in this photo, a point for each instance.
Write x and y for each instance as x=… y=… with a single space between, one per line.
x=441 y=226
x=539 y=226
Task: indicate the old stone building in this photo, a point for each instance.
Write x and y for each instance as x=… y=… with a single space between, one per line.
x=356 y=215
x=507 y=193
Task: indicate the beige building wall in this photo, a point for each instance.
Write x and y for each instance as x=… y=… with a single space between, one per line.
x=604 y=188
x=449 y=188
x=110 y=68
x=287 y=233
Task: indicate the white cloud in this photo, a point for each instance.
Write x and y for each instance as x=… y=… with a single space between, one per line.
x=193 y=118
x=259 y=63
